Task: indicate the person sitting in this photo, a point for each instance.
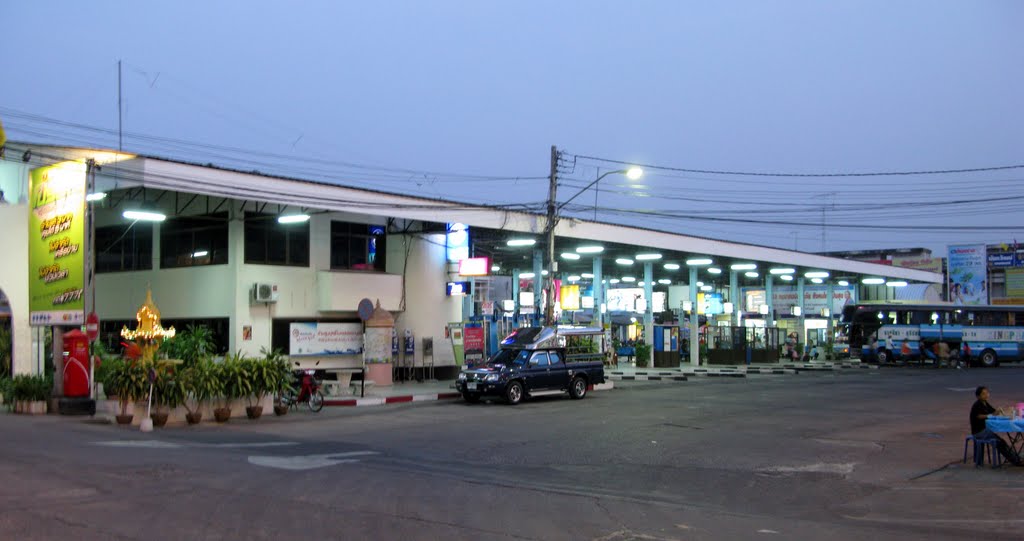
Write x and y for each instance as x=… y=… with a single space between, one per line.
x=980 y=411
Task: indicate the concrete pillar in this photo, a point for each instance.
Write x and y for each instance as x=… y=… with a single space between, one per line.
x=734 y=294
x=649 y=311
x=515 y=293
x=694 y=328
x=538 y=282
x=828 y=322
x=801 y=328
x=598 y=292
x=769 y=318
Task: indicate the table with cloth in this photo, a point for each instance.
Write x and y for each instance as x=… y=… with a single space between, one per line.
x=1013 y=428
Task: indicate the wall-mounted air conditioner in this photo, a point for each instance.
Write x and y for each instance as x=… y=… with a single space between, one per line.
x=264 y=292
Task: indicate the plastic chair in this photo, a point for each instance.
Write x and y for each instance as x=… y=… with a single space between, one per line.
x=981 y=447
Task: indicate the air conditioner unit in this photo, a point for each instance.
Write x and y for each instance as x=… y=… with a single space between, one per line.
x=264 y=292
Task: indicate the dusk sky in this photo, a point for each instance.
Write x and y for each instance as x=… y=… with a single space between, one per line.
x=456 y=99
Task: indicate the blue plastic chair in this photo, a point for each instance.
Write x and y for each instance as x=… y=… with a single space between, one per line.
x=981 y=448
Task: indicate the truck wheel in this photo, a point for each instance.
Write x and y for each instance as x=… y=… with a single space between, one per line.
x=514 y=393
x=472 y=398
x=883 y=356
x=989 y=359
x=578 y=388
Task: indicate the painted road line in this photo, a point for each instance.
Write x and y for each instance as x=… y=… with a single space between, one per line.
x=308 y=462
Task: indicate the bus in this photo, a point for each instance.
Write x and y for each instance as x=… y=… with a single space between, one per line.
x=985 y=335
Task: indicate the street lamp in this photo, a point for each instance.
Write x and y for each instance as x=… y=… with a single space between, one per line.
x=631 y=173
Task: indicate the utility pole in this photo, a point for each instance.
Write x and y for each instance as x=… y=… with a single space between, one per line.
x=549 y=229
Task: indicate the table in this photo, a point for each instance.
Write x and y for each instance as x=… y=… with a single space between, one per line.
x=1014 y=430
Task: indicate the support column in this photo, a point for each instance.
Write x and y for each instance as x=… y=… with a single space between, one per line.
x=801 y=328
x=598 y=280
x=649 y=311
x=515 y=295
x=694 y=328
x=734 y=293
x=769 y=319
x=538 y=287
x=829 y=336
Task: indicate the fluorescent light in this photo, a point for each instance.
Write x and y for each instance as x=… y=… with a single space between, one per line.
x=700 y=284
x=705 y=288
x=587 y=275
x=697 y=262
x=844 y=283
x=144 y=216
x=613 y=281
x=782 y=271
x=641 y=284
x=787 y=277
x=672 y=266
x=743 y=266
x=570 y=255
x=628 y=279
x=97 y=196
x=816 y=274
x=495 y=268
x=201 y=253
x=873 y=281
x=896 y=283
x=817 y=280
x=714 y=270
x=589 y=249
x=634 y=173
x=527 y=275
x=750 y=274
x=624 y=261
x=544 y=272
x=520 y=242
x=574 y=278
x=647 y=257
x=293 y=218
x=665 y=281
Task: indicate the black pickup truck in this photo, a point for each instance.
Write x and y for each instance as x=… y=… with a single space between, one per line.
x=533 y=359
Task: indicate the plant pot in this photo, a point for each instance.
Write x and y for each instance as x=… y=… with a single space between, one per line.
x=280 y=410
x=253 y=412
x=124 y=419
x=221 y=415
x=194 y=418
x=159 y=418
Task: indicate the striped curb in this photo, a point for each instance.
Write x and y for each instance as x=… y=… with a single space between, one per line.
x=404 y=399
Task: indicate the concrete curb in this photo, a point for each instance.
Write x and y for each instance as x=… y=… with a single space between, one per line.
x=425 y=397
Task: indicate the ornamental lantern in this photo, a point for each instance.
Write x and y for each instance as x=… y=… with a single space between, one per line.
x=149 y=334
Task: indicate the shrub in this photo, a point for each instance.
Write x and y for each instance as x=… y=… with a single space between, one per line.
x=31 y=388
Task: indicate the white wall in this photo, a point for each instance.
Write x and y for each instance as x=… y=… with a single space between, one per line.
x=14 y=281
x=427 y=308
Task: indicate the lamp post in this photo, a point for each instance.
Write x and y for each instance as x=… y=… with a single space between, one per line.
x=554 y=208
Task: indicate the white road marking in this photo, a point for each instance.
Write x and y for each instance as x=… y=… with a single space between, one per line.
x=244 y=445
x=152 y=444
x=767 y=531
x=818 y=467
x=307 y=462
x=960 y=389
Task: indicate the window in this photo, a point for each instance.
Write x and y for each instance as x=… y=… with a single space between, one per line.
x=540 y=360
x=270 y=243
x=194 y=240
x=357 y=246
x=127 y=247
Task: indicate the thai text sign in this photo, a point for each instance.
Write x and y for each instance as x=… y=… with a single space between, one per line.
x=784 y=298
x=473 y=345
x=56 y=253
x=968 y=274
x=325 y=338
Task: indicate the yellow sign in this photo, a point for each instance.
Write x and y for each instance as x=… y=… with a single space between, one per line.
x=570 y=297
x=3 y=136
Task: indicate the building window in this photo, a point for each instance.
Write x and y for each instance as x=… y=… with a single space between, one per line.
x=127 y=247
x=194 y=240
x=270 y=243
x=357 y=246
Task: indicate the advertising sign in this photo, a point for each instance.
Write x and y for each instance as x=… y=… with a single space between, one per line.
x=1015 y=283
x=457 y=242
x=570 y=297
x=473 y=345
x=474 y=266
x=410 y=343
x=1004 y=259
x=56 y=253
x=784 y=298
x=930 y=264
x=968 y=274
x=325 y=338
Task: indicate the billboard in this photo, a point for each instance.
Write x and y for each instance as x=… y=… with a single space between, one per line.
x=784 y=298
x=968 y=274
x=325 y=338
x=56 y=249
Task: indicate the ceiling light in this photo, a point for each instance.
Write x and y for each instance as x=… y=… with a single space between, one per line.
x=520 y=242
x=743 y=266
x=714 y=270
x=665 y=281
x=698 y=262
x=641 y=284
x=624 y=261
x=817 y=280
x=587 y=275
x=97 y=196
x=873 y=281
x=787 y=277
x=782 y=271
x=544 y=272
x=628 y=279
x=527 y=275
x=495 y=268
x=672 y=266
x=700 y=284
x=293 y=218
x=705 y=288
x=844 y=283
x=574 y=278
x=816 y=274
x=201 y=253
x=896 y=283
x=144 y=216
x=750 y=274
x=613 y=281
x=590 y=249
x=570 y=255
x=647 y=257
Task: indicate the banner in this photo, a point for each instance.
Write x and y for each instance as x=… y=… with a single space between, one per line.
x=784 y=298
x=930 y=264
x=968 y=278
x=325 y=338
x=56 y=249
x=570 y=297
x=473 y=345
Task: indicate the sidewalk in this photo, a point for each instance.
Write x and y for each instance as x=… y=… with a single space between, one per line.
x=625 y=372
x=412 y=391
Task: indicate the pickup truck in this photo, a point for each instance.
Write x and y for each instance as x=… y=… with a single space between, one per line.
x=533 y=359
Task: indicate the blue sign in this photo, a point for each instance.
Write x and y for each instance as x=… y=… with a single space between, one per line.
x=1004 y=260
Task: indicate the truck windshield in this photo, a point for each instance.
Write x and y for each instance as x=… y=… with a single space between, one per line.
x=509 y=357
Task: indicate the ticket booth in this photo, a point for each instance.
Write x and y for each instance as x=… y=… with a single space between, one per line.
x=666 y=346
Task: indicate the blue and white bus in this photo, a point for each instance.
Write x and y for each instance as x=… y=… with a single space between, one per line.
x=986 y=335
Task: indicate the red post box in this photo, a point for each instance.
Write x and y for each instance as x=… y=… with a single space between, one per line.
x=76 y=364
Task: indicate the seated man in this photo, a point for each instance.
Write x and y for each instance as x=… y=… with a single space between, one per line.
x=979 y=412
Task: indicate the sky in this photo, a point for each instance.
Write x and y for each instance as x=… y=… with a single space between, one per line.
x=463 y=100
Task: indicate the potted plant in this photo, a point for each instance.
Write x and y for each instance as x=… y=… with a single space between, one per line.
x=236 y=385
x=7 y=392
x=191 y=345
x=262 y=379
x=168 y=394
x=643 y=354
x=281 y=382
x=132 y=384
x=199 y=384
x=31 y=392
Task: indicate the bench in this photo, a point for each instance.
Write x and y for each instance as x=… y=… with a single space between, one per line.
x=363 y=386
x=342 y=383
x=335 y=388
